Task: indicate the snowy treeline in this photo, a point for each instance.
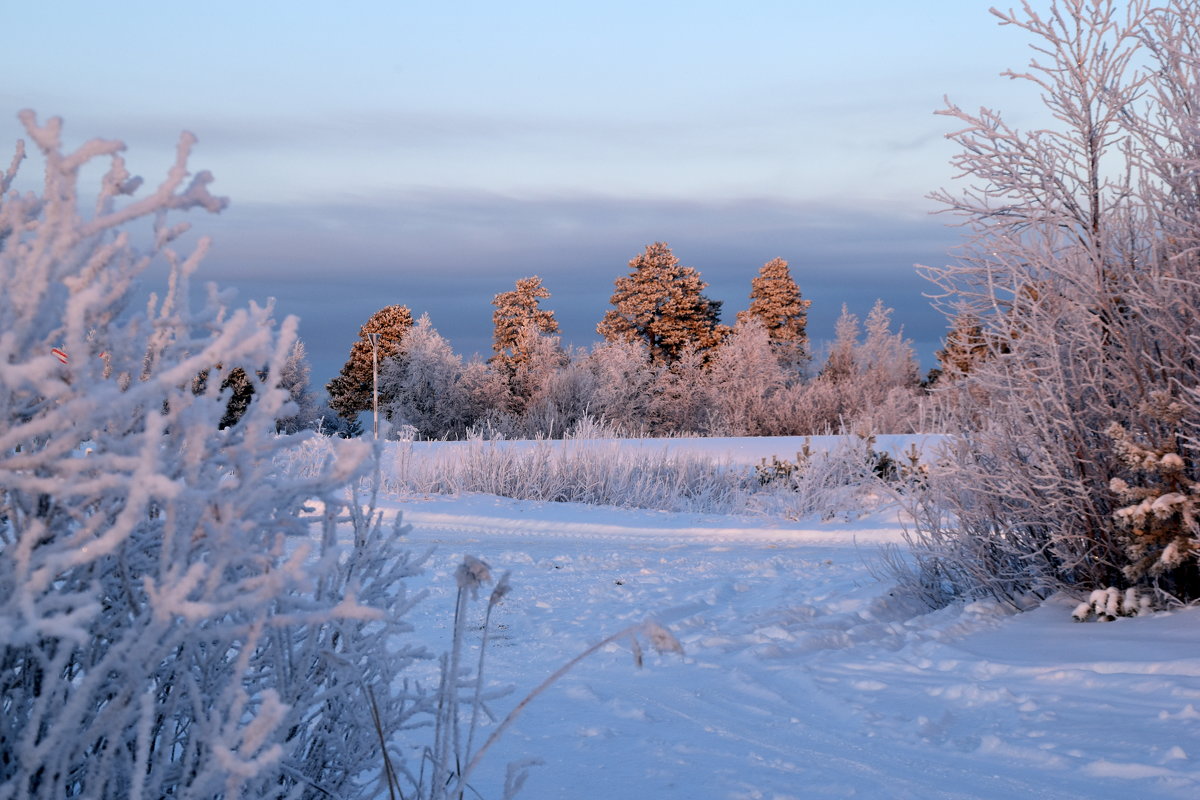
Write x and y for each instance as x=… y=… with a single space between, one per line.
x=174 y=621
x=653 y=376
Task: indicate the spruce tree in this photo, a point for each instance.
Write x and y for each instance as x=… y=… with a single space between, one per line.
x=239 y=384
x=350 y=391
x=516 y=311
x=775 y=301
x=294 y=378
x=966 y=347
x=841 y=364
x=661 y=304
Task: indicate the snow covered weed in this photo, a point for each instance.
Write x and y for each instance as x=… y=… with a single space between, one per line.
x=460 y=704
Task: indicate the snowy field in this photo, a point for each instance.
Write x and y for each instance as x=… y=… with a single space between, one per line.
x=802 y=677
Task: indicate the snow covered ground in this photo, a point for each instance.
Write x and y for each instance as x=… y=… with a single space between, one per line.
x=803 y=677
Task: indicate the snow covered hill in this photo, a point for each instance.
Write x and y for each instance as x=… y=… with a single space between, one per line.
x=803 y=676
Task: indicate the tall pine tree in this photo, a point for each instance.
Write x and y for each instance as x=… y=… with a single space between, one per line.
x=350 y=391
x=775 y=302
x=661 y=304
x=516 y=311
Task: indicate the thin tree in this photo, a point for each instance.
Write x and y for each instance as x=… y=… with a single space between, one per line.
x=840 y=365
x=775 y=301
x=885 y=357
x=661 y=304
x=542 y=355
x=350 y=391
x=676 y=406
x=294 y=378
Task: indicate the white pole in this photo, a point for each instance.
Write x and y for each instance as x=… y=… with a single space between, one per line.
x=374 y=337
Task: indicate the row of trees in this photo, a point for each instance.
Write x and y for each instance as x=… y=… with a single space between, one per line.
x=666 y=366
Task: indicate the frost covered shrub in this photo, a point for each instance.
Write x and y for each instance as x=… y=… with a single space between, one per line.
x=845 y=482
x=169 y=623
x=779 y=470
x=1081 y=268
x=952 y=556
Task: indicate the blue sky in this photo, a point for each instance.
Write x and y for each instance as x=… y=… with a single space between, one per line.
x=431 y=154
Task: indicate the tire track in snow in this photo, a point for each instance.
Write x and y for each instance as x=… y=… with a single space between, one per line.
x=575 y=529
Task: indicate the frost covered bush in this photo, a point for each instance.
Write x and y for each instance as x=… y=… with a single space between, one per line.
x=844 y=482
x=1081 y=271
x=172 y=621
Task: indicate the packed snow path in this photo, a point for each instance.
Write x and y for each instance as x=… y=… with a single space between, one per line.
x=802 y=677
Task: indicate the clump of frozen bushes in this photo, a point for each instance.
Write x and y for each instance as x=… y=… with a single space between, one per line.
x=176 y=617
x=1077 y=453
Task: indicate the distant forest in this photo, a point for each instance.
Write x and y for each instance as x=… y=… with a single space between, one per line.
x=666 y=367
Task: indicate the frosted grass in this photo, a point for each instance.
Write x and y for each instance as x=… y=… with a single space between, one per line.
x=836 y=482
